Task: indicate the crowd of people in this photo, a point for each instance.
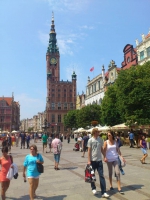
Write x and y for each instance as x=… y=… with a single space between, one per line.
x=92 y=143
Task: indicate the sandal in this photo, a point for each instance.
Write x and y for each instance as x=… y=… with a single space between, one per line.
x=141 y=161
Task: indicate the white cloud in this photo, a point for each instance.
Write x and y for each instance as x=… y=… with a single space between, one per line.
x=87 y=27
x=66 y=42
x=29 y=106
x=68 y=5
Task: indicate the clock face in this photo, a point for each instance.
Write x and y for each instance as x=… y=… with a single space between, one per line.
x=53 y=61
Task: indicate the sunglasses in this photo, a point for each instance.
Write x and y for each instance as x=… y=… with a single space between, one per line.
x=31 y=149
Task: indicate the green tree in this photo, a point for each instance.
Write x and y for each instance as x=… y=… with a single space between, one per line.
x=70 y=119
x=30 y=129
x=87 y=114
x=133 y=94
x=110 y=115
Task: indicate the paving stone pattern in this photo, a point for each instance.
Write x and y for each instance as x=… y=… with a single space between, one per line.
x=68 y=183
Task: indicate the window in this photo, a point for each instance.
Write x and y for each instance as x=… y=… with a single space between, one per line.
x=59 y=106
x=64 y=95
x=92 y=88
x=53 y=118
x=71 y=106
x=2 y=119
x=65 y=128
x=88 y=91
x=59 y=118
x=99 y=85
x=58 y=129
x=148 y=51
x=53 y=106
x=65 y=106
x=128 y=59
x=53 y=90
x=141 y=55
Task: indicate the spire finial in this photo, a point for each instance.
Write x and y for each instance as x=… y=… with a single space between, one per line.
x=52 y=16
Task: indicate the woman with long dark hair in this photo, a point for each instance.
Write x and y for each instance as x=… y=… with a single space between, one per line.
x=111 y=152
x=5 y=162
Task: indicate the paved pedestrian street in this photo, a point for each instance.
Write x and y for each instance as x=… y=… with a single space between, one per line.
x=68 y=183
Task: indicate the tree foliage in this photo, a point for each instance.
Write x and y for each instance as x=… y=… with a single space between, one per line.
x=70 y=119
x=87 y=114
x=110 y=115
x=83 y=117
x=128 y=100
x=133 y=94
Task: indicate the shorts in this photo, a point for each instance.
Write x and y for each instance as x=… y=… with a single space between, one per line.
x=44 y=144
x=85 y=148
x=144 y=150
x=57 y=157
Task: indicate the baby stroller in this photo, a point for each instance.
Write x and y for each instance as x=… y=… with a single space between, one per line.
x=76 y=147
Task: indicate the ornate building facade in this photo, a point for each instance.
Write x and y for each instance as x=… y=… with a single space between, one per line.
x=9 y=114
x=61 y=95
x=130 y=57
x=95 y=89
x=143 y=49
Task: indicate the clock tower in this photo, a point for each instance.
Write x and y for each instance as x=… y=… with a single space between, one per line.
x=61 y=95
x=52 y=56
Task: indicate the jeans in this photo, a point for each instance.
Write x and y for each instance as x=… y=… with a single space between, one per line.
x=99 y=166
x=131 y=143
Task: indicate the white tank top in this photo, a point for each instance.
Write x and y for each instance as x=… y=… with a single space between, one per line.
x=111 y=152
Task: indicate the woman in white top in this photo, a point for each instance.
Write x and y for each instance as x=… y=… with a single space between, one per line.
x=112 y=151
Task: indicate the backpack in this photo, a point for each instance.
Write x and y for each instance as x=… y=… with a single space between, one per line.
x=59 y=147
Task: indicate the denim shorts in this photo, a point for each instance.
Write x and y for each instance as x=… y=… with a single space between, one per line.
x=144 y=150
x=57 y=157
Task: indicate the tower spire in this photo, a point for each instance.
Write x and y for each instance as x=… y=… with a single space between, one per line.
x=52 y=24
x=52 y=46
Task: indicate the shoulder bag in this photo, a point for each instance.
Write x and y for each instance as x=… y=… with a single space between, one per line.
x=40 y=167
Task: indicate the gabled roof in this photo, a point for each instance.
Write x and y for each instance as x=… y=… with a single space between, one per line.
x=128 y=46
x=147 y=36
x=7 y=99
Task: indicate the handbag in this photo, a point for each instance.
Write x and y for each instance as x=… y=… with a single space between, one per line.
x=89 y=174
x=40 y=167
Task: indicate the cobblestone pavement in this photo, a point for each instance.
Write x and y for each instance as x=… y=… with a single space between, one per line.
x=68 y=183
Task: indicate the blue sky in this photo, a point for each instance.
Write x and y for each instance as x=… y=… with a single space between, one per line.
x=89 y=33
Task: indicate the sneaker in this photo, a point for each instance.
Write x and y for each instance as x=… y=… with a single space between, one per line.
x=120 y=191
x=111 y=188
x=94 y=191
x=105 y=195
x=122 y=172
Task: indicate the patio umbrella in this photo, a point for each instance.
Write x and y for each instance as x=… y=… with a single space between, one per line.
x=120 y=127
x=14 y=131
x=105 y=128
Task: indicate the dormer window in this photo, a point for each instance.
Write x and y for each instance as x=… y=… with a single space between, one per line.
x=128 y=59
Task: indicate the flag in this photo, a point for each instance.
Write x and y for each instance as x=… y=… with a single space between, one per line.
x=91 y=69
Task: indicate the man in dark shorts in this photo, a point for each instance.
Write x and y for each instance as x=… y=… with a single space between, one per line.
x=44 y=140
x=84 y=143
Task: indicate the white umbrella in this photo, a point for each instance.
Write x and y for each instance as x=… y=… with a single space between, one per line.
x=120 y=126
x=105 y=128
x=90 y=130
x=14 y=131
